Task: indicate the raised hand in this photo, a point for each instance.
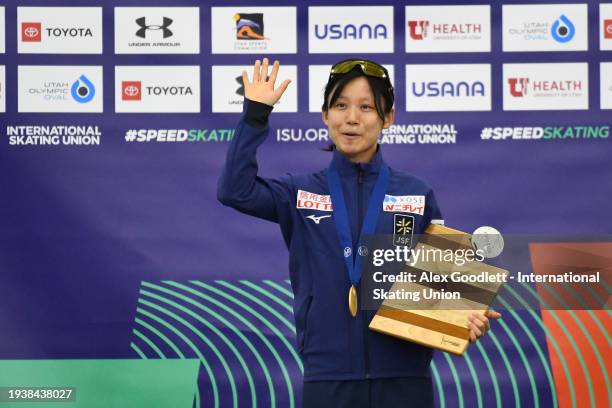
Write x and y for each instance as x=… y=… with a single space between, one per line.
x=261 y=89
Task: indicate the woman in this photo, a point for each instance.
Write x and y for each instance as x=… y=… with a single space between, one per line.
x=322 y=217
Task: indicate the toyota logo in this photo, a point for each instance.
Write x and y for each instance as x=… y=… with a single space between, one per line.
x=131 y=90
x=31 y=32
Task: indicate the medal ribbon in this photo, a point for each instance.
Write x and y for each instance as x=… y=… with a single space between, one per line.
x=341 y=219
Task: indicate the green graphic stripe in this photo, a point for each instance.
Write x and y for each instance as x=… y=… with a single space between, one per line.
x=227 y=341
x=279 y=288
x=550 y=338
x=213 y=380
x=160 y=335
x=475 y=379
x=254 y=299
x=271 y=326
x=543 y=360
x=436 y=376
x=231 y=326
x=502 y=353
x=193 y=347
x=458 y=386
x=517 y=346
x=210 y=344
x=149 y=343
x=591 y=343
x=270 y=296
x=494 y=382
x=166 y=340
x=107 y=383
x=257 y=331
x=138 y=350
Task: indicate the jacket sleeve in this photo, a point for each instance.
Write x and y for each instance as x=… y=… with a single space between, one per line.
x=239 y=186
x=432 y=211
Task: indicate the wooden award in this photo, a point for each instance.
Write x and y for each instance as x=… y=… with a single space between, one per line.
x=441 y=324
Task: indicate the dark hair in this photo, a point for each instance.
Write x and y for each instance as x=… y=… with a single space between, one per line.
x=383 y=94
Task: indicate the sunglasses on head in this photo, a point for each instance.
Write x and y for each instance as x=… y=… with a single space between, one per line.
x=369 y=68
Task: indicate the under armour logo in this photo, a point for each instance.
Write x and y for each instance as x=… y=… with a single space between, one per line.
x=316 y=219
x=348 y=252
x=144 y=27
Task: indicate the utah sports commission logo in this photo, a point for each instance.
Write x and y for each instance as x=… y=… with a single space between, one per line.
x=31 y=32
x=249 y=26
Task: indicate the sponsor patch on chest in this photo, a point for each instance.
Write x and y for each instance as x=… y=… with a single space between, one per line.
x=311 y=201
x=414 y=204
x=403 y=229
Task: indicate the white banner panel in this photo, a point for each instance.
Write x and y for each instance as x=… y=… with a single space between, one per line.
x=254 y=30
x=54 y=88
x=448 y=28
x=2 y=30
x=605 y=74
x=157 y=89
x=337 y=30
x=59 y=30
x=562 y=86
x=549 y=27
x=605 y=27
x=448 y=87
x=2 y=88
x=157 y=30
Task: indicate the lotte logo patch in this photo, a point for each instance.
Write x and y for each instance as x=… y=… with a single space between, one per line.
x=31 y=32
x=131 y=90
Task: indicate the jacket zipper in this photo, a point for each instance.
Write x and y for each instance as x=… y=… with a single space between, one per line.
x=363 y=313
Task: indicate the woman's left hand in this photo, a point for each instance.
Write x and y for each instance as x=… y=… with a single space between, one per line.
x=479 y=323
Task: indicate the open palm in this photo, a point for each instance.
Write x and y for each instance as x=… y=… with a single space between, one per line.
x=261 y=88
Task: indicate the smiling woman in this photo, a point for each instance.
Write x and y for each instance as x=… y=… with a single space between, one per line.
x=323 y=217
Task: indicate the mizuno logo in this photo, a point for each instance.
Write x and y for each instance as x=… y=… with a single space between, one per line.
x=316 y=219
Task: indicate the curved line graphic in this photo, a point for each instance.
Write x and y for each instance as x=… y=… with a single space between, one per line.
x=269 y=295
x=149 y=343
x=224 y=338
x=475 y=379
x=236 y=331
x=213 y=380
x=256 y=331
x=543 y=360
x=436 y=376
x=549 y=337
x=193 y=346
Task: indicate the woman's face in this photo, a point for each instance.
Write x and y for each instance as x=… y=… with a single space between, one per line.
x=353 y=122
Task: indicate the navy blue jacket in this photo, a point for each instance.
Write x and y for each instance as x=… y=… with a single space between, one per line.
x=333 y=344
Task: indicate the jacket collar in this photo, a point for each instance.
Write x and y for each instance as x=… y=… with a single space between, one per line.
x=347 y=168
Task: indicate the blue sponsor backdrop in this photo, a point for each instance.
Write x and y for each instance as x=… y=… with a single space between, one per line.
x=121 y=250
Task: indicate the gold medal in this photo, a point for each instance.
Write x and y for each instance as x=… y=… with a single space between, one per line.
x=352 y=301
